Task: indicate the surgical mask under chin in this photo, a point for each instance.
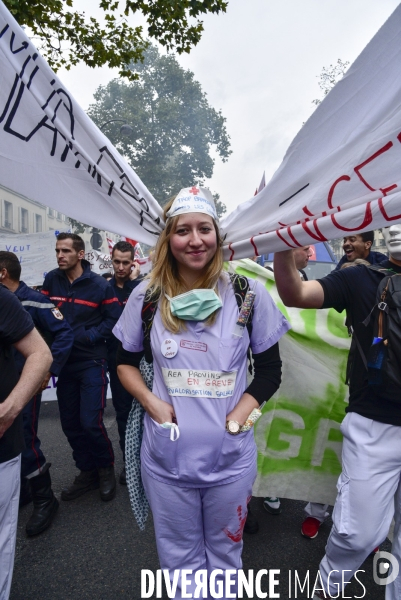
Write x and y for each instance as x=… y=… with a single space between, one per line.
x=196 y=305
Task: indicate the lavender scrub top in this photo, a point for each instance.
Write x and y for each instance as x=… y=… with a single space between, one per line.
x=203 y=375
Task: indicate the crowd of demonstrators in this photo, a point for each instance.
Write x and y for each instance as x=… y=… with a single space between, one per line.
x=74 y=315
x=48 y=320
x=126 y=278
x=369 y=488
x=16 y=331
x=88 y=303
x=198 y=452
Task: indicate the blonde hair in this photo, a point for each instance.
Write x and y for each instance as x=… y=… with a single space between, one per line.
x=165 y=278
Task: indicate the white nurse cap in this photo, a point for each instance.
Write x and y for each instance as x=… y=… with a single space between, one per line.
x=193 y=200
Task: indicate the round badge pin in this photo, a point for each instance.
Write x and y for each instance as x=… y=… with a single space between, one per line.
x=169 y=348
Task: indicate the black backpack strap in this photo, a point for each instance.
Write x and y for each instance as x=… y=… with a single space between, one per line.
x=149 y=308
x=381 y=269
x=355 y=344
x=385 y=273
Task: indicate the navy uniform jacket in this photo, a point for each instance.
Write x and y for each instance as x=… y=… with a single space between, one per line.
x=122 y=294
x=90 y=306
x=50 y=323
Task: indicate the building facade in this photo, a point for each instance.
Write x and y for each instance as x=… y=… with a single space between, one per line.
x=19 y=214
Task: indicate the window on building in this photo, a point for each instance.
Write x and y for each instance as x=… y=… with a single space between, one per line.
x=24 y=220
x=38 y=223
x=59 y=215
x=8 y=214
x=50 y=212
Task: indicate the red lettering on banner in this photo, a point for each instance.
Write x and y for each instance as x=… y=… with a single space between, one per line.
x=370 y=159
x=293 y=238
x=319 y=237
x=232 y=251
x=399 y=137
x=282 y=239
x=254 y=246
x=284 y=225
x=333 y=187
x=383 y=211
x=367 y=220
x=307 y=211
x=388 y=189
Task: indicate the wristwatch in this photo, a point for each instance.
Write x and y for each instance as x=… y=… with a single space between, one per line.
x=233 y=427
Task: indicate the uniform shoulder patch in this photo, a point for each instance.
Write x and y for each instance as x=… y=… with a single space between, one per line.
x=57 y=314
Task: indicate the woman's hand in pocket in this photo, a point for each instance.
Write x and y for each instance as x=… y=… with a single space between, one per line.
x=160 y=411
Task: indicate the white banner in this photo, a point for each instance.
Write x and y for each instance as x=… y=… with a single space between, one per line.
x=35 y=251
x=342 y=172
x=100 y=263
x=51 y=152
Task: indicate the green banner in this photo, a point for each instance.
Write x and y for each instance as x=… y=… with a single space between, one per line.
x=298 y=436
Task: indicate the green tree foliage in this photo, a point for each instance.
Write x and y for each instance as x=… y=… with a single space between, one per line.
x=67 y=36
x=329 y=77
x=77 y=226
x=174 y=126
x=221 y=208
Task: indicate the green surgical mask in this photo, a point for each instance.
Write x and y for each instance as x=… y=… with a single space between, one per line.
x=196 y=305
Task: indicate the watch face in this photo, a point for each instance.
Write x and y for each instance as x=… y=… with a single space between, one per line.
x=233 y=427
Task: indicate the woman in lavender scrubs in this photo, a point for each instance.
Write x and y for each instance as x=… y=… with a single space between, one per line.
x=198 y=467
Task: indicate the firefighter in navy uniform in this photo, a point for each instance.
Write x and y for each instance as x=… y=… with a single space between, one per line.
x=35 y=475
x=88 y=303
x=126 y=278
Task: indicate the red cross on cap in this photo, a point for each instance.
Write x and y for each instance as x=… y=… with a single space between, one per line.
x=194 y=190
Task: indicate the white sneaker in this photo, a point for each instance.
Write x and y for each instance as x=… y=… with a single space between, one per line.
x=272 y=505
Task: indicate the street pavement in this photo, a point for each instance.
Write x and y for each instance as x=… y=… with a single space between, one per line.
x=94 y=549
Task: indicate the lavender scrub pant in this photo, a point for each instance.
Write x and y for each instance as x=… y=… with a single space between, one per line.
x=199 y=528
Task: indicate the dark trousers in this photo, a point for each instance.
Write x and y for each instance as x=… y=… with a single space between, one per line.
x=122 y=401
x=32 y=458
x=81 y=394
